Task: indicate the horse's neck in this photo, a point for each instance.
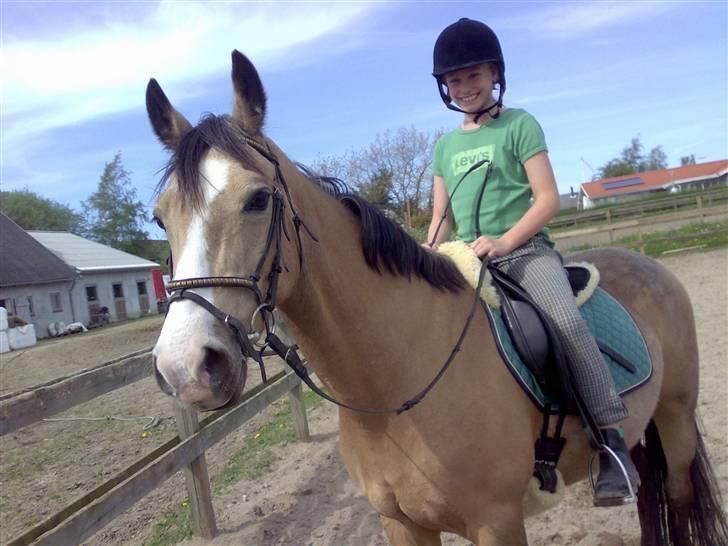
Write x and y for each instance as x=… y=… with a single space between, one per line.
x=366 y=332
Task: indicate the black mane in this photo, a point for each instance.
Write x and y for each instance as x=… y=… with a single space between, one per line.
x=384 y=242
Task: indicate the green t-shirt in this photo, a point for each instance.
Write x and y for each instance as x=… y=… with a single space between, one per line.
x=507 y=142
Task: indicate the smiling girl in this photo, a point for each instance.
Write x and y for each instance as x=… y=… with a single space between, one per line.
x=505 y=221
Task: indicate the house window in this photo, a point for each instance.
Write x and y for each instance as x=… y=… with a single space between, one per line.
x=118 y=290
x=142 y=288
x=56 y=303
x=31 y=310
x=9 y=305
x=91 y=294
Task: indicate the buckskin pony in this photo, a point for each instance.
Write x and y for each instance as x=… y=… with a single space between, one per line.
x=377 y=315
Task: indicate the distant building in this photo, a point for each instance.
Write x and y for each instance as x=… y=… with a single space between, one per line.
x=638 y=185
x=51 y=276
x=35 y=284
x=569 y=200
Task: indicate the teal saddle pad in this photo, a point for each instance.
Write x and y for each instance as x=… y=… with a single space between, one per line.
x=610 y=324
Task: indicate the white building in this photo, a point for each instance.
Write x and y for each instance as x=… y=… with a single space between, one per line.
x=89 y=278
x=35 y=284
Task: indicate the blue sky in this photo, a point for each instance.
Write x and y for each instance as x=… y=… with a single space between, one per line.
x=594 y=73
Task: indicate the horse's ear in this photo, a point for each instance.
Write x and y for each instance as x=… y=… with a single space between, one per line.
x=249 y=96
x=169 y=125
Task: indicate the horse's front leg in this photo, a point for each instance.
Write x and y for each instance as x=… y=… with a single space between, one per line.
x=508 y=530
x=487 y=537
x=403 y=532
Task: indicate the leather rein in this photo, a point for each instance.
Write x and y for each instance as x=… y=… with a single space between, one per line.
x=249 y=339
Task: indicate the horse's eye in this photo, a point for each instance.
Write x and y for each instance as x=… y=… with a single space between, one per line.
x=258 y=202
x=158 y=222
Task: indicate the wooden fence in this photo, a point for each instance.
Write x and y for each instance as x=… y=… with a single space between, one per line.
x=705 y=199
x=595 y=234
x=94 y=510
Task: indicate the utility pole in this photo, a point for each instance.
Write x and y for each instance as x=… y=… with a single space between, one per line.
x=580 y=204
x=584 y=161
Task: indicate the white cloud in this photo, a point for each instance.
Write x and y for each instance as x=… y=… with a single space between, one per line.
x=102 y=71
x=576 y=19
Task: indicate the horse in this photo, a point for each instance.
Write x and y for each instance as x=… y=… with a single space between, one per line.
x=376 y=316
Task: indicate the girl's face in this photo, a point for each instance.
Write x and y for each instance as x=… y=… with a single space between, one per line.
x=472 y=88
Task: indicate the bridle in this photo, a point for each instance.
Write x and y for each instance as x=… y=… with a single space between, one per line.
x=249 y=340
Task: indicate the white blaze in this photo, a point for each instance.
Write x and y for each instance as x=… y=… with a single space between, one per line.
x=188 y=327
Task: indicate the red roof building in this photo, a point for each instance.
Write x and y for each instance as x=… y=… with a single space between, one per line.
x=632 y=186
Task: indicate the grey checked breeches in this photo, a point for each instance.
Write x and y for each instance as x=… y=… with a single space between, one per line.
x=539 y=270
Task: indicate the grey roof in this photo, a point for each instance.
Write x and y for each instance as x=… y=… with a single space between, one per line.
x=24 y=261
x=87 y=256
x=568 y=201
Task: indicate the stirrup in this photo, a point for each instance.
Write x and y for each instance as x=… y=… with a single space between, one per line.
x=631 y=496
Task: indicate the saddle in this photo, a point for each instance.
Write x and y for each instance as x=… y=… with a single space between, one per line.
x=530 y=331
x=526 y=340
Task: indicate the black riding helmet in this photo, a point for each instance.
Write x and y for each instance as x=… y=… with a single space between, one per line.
x=461 y=45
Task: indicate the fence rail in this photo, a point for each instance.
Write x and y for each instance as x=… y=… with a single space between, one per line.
x=28 y=406
x=94 y=510
x=641 y=243
x=637 y=225
x=708 y=198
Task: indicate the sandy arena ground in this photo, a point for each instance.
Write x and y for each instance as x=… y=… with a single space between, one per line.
x=306 y=498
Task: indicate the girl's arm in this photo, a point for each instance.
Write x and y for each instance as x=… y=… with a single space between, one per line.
x=545 y=206
x=440 y=207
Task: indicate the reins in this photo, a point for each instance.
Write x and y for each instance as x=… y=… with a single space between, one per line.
x=481 y=193
x=290 y=356
x=247 y=339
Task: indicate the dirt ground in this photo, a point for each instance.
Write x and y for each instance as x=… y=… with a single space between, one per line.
x=306 y=497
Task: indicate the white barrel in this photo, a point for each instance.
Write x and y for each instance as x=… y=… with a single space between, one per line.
x=21 y=337
x=4 y=343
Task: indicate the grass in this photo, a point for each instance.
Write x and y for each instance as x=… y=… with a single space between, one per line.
x=249 y=463
x=21 y=464
x=706 y=235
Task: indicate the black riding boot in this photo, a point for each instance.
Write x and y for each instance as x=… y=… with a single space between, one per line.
x=611 y=487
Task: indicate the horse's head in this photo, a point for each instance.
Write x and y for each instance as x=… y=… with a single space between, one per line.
x=222 y=203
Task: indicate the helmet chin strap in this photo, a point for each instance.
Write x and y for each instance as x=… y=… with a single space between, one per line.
x=447 y=99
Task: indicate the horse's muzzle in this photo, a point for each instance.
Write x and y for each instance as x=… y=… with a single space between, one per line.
x=207 y=381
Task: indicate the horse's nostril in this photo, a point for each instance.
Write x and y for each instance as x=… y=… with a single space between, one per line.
x=216 y=366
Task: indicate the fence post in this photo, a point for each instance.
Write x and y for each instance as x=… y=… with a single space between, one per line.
x=699 y=200
x=196 y=477
x=641 y=242
x=298 y=412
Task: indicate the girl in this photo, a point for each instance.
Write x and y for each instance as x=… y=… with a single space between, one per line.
x=502 y=225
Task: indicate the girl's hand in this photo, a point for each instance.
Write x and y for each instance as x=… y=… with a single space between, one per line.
x=493 y=248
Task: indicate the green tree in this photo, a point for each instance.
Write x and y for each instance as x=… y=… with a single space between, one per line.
x=396 y=160
x=656 y=160
x=687 y=160
x=156 y=251
x=378 y=190
x=33 y=212
x=632 y=160
x=113 y=214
